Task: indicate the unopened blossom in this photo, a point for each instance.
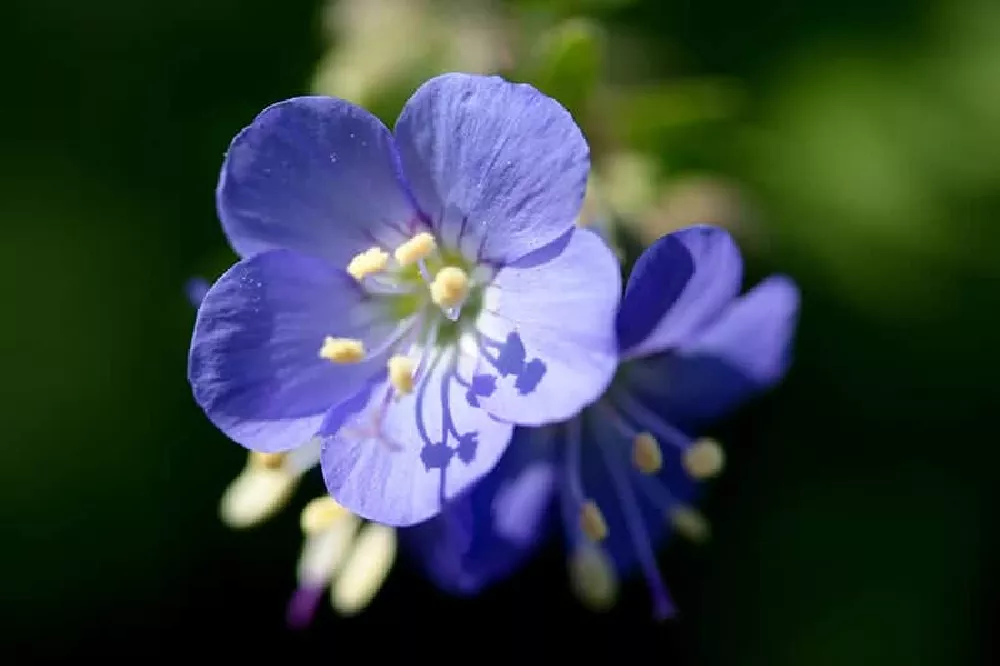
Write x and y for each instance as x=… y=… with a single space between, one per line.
x=624 y=474
x=407 y=297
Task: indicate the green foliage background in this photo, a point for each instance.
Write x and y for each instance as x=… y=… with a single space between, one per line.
x=854 y=524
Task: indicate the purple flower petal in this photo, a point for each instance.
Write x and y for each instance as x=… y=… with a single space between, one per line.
x=745 y=351
x=548 y=328
x=489 y=531
x=678 y=285
x=313 y=174
x=499 y=168
x=396 y=461
x=753 y=336
x=254 y=363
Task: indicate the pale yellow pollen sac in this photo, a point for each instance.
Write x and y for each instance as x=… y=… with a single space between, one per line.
x=365 y=570
x=646 y=454
x=704 y=459
x=593 y=579
x=450 y=287
x=321 y=514
x=592 y=522
x=267 y=460
x=417 y=248
x=342 y=350
x=689 y=523
x=401 y=374
x=373 y=260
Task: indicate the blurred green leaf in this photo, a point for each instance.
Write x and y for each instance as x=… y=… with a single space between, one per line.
x=647 y=115
x=567 y=63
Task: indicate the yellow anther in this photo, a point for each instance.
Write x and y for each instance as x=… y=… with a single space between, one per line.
x=704 y=459
x=415 y=249
x=342 y=350
x=450 y=287
x=267 y=460
x=689 y=523
x=365 y=570
x=592 y=522
x=321 y=514
x=370 y=261
x=401 y=374
x=646 y=454
x=593 y=579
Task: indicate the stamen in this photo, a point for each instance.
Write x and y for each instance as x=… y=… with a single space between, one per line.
x=267 y=460
x=450 y=287
x=417 y=248
x=592 y=522
x=646 y=454
x=401 y=371
x=342 y=350
x=633 y=411
x=255 y=495
x=689 y=523
x=321 y=514
x=324 y=553
x=365 y=570
x=704 y=459
x=593 y=578
x=632 y=513
x=373 y=260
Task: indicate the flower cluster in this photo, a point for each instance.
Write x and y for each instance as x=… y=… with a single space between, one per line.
x=419 y=314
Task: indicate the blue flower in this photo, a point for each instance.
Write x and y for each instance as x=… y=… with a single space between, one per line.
x=626 y=470
x=407 y=297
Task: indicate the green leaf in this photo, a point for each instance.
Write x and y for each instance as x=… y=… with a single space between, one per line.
x=567 y=63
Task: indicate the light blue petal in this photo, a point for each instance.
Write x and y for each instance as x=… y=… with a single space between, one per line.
x=548 y=326
x=679 y=285
x=397 y=461
x=499 y=168
x=314 y=174
x=491 y=530
x=254 y=363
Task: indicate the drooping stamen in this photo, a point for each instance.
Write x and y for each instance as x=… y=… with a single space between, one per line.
x=637 y=531
x=590 y=518
x=321 y=514
x=629 y=411
x=646 y=454
x=401 y=369
x=704 y=459
x=689 y=523
x=449 y=290
x=323 y=554
x=371 y=261
x=365 y=570
x=593 y=578
x=255 y=495
x=416 y=249
x=267 y=460
x=592 y=522
x=687 y=520
x=342 y=350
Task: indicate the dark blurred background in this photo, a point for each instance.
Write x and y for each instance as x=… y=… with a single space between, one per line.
x=854 y=145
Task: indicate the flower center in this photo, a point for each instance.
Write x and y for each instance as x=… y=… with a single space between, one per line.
x=433 y=295
x=433 y=292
